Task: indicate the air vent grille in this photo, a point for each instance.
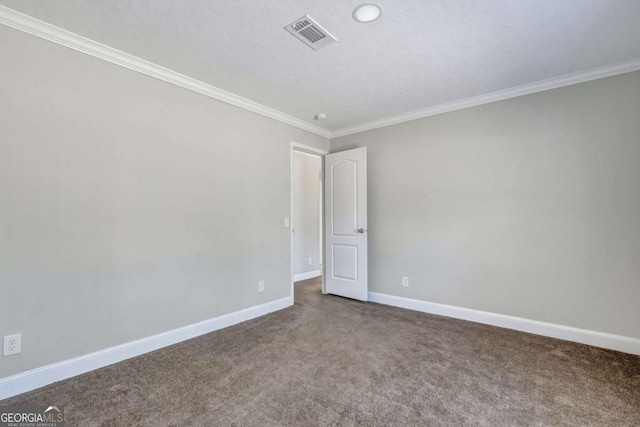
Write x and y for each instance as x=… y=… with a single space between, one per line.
x=310 y=33
x=300 y=25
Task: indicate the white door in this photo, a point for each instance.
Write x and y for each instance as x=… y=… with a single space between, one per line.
x=346 y=223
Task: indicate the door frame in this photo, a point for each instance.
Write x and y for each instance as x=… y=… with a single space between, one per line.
x=306 y=149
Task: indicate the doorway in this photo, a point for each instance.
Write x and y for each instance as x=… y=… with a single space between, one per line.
x=307 y=199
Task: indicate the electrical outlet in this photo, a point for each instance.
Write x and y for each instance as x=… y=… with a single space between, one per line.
x=286 y=222
x=405 y=281
x=12 y=345
x=310 y=261
x=261 y=286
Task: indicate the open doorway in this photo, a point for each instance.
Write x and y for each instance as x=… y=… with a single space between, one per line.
x=306 y=214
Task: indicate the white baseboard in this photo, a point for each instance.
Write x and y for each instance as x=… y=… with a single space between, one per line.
x=306 y=276
x=584 y=336
x=40 y=377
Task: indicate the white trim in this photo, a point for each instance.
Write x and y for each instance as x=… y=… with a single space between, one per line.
x=304 y=153
x=320 y=215
x=317 y=154
x=36 y=27
x=308 y=148
x=306 y=276
x=540 y=86
x=40 y=377
x=584 y=336
x=301 y=148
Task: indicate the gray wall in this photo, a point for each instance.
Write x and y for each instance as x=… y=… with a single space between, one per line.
x=527 y=207
x=129 y=206
x=306 y=213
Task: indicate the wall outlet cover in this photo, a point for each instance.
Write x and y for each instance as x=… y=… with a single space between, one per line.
x=405 y=281
x=12 y=344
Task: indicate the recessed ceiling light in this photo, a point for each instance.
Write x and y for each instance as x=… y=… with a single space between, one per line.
x=321 y=116
x=367 y=12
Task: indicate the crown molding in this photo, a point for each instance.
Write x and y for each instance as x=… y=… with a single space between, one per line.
x=36 y=27
x=540 y=86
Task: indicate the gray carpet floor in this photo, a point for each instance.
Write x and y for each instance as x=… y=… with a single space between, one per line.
x=333 y=361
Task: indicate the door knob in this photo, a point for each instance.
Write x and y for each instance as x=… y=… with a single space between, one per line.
x=361 y=230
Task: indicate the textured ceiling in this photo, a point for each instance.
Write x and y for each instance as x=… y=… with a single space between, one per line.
x=421 y=53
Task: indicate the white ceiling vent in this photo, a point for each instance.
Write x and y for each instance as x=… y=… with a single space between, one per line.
x=310 y=33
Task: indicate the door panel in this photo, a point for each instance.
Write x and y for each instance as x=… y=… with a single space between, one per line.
x=346 y=223
x=345 y=262
x=344 y=212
